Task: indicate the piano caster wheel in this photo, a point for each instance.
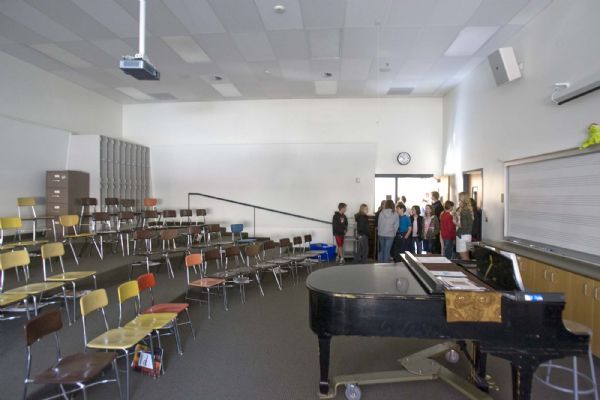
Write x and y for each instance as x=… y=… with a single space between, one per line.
x=352 y=392
x=452 y=356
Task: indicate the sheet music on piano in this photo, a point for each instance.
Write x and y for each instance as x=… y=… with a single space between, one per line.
x=460 y=283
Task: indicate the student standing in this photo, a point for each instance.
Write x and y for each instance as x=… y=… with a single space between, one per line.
x=431 y=229
x=416 y=223
x=438 y=208
x=477 y=216
x=402 y=241
x=448 y=229
x=464 y=225
x=362 y=234
x=340 y=227
x=386 y=231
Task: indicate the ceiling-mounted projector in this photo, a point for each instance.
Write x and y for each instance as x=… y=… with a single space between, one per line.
x=139 y=66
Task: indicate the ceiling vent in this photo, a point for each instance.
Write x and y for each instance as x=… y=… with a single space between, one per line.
x=396 y=91
x=163 y=96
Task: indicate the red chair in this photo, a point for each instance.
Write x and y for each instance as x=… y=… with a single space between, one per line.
x=147 y=282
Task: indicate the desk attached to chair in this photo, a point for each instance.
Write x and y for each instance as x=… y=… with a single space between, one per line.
x=410 y=300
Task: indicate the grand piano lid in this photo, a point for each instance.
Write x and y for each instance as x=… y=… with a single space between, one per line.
x=366 y=280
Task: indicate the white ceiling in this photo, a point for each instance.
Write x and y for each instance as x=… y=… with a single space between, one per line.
x=368 y=46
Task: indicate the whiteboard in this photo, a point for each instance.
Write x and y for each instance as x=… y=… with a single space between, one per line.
x=553 y=202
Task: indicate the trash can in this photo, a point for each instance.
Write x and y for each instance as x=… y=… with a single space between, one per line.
x=329 y=256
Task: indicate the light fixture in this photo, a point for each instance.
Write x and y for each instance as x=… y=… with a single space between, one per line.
x=326 y=87
x=469 y=40
x=227 y=89
x=279 y=9
x=267 y=71
x=134 y=93
x=187 y=49
x=217 y=78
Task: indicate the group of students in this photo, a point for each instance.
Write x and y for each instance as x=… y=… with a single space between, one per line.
x=441 y=230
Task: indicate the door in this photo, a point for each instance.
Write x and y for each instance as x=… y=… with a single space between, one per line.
x=415 y=188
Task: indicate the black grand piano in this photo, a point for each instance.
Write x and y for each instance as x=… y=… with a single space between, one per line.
x=408 y=300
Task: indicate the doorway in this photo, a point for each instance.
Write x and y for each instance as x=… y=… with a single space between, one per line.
x=416 y=188
x=473 y=184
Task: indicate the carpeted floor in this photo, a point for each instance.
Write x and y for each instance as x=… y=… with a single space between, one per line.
x=263 y=349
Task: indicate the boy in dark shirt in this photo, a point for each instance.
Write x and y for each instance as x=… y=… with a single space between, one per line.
x=340 y=226
x=362 y=235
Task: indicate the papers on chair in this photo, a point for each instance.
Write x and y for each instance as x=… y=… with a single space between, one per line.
x=449 y=274
x=434 y=260
x=460 y=284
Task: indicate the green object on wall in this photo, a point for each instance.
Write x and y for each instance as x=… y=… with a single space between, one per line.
x=593 y=136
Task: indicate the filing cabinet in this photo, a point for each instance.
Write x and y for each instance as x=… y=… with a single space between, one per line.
x=64 y=191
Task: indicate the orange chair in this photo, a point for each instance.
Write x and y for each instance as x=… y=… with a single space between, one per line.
x=150 y=203
x=195 y=260
x=147 y=282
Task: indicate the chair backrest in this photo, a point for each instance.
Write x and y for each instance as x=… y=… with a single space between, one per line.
x=50 y=250
x=42 y=325
x=111 y=201
x=127 y=203
x=252 y=250
x=237 y=228
x=169 y=213
x=285 y=242
x=128 y=290
x=93 y=301
x=297 y=240
x=201 y=212
x=233 y=251
x=11 y=223
x=185 y=212
x=192 y=260
x=194 y=230
x=269 y=245
x=89 y=201
x=126 y=216
x=212 y=255
x=150 y=214
x=143 y=234
x=150 y=202
x=307 y=238
x=68 y=221
x=168 y=234
x=146 y=281
x=213 y=228
x=14 y=259
x=101 y=216
x=26 y=202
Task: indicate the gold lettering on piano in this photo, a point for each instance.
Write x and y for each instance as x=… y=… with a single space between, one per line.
x=464 y=306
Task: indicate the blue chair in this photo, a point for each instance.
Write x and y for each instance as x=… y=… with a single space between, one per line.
x=237 y=229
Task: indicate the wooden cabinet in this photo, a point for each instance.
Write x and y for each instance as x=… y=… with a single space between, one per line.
x=582 y=294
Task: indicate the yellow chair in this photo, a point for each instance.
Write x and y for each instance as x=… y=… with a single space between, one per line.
x=15 y=224
x=71 y=223
x=30 y=202
x=57 y=250
x=118 y=339
x=11 y=299
x=20 y=258
x=131 y=291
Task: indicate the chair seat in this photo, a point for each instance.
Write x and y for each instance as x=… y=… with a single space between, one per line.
x=224 y=274
x=265 y=265
x=71 y=276
x=76 y=368
x=151 y=321
x=9 y=246
x=297 y=258
x=7 y=299
x=241 y=280
x=207 y=282
x=118 y=339
x=80 y=235
x=35 y=288
x=176 y=308
x=25 y=243
x=279 y=261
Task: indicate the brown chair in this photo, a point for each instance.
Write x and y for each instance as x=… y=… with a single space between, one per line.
x=204 y=284
x=111 y=205
x=167 y=237
x=88 y=206
x=80 y=370
x=103 y=228
x=150 y=218
x=194 y=231
x=168 y=217
x=201 y=213
x=236 y=263
x=127 y=205
x=272 y=262
x=142 y=239
x=185 y=217
x=125 y=227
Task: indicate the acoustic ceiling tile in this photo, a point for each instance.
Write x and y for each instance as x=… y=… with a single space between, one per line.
x=360 y=13
x=323 y=14
x=496 y=12
x=410 y=12
x=112 y=16
x=254 y=46
x=238 y=16
x=196 y=15
x=324 y=43
x=289 y=43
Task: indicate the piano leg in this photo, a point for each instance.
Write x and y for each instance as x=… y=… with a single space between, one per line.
x=324 y=346
x=523 y=368
x=479 y=368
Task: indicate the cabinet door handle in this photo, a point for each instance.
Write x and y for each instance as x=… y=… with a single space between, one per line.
x=545 y=272
x=596 y=293
x=552 y=277
x=585 y=289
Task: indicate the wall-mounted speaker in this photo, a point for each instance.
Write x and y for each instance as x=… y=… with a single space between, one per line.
x=504 y=65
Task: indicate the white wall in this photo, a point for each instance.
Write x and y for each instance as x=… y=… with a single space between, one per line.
x=303 y=156
x=84 y=155
x=31 y=94
x=485 y=125
x=28 y=150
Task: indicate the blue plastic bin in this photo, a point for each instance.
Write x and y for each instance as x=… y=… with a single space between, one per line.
x=330 y=256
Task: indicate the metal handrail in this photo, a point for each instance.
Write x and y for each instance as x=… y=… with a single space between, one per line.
x=255 y=207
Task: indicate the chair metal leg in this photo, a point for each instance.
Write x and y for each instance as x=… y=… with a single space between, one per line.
x=127 y=374
x=575 y=380
x=187 y=311
x=593 y=373
x=208 y=301
x=73 y=251
x=67 y=307
x=100 y=252
x=225 y=303
x=257 y=275
x=117 y=378
x=177 y=338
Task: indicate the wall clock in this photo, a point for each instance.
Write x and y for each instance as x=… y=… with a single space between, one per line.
x=403 y=158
